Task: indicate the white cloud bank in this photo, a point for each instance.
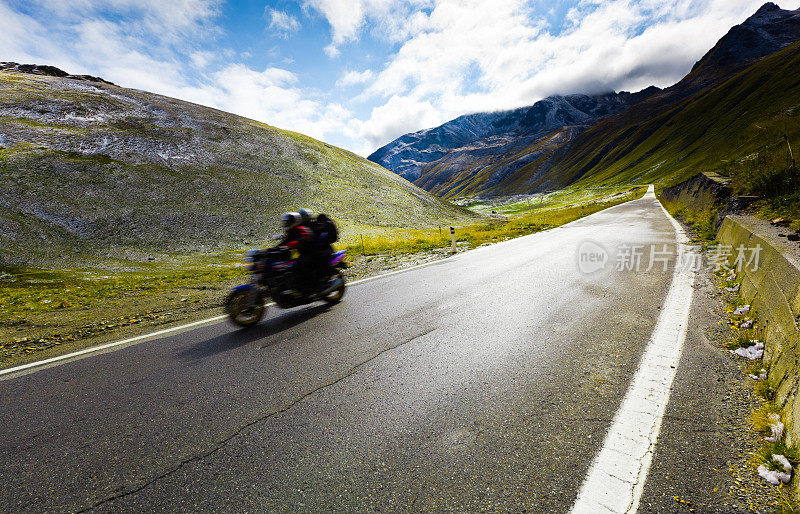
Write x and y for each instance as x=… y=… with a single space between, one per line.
x=452 y=57
x=352 y=78
x=476 y=55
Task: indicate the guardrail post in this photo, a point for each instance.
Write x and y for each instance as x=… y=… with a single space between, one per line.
x=453 y=239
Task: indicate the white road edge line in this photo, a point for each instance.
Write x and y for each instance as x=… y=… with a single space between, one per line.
x=105 y=348
x=62 y=359
x=616 y=478
x=95 y=349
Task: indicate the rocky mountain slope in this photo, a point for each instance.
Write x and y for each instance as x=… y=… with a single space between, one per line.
x=99 y=172
x=765 y=32
x=43 y=69
x=500 y=132
x=569 y=151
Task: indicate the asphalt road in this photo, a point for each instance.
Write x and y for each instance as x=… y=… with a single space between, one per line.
x=485 y=381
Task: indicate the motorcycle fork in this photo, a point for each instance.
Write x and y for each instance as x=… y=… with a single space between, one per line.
x=252 y=294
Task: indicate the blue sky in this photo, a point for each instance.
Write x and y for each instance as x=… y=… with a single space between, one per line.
x=359 y=73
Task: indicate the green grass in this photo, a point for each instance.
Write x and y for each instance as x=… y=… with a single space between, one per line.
x=26 y=293
x=701 y=221
x=756 y=366
x=786 y=493
x=762 y=424
x=744 y=339
x=523 y=220
x=779 y=448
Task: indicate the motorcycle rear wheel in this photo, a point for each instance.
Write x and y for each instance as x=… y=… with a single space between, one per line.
x=240 y=311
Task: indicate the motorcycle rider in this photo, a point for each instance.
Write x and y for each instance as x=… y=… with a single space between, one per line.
x=298 y=236
x=325 y=233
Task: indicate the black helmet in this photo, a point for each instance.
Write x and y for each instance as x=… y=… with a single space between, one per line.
x=289 y=220
x=306 y=215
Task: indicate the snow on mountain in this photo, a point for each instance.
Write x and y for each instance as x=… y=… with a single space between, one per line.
x=408 y=154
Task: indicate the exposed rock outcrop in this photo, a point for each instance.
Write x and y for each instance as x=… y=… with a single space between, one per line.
x=44 y=69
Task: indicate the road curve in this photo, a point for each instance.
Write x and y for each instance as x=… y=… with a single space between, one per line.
x=485 y=381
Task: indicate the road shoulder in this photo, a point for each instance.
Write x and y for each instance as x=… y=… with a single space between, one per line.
x=701 y=462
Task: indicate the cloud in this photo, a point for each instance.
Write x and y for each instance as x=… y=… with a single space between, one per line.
x=201 y=59
x=392 y=20
x=171 y=22
x=24 y=39
x=352 y=78
x=434 y=59
x=332 y=51
x=282 y=23
x=345 y=16
x=273 y=96
x=398 y=116
x=470 y=55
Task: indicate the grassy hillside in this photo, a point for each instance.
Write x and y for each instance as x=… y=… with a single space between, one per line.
x=724 y=128
x=93 y=172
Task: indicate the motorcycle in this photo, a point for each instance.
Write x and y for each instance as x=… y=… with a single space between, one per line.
x=273 y=277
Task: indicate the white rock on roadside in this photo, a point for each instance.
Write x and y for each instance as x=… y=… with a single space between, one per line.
x=751 y=352
x=776 y=477
x=783 y=461
x=773 y=477
x=744 y=309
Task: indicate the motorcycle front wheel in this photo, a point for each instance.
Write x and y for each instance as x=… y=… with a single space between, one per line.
x=240 y=311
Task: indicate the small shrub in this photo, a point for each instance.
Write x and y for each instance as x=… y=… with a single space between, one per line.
x=744 y=339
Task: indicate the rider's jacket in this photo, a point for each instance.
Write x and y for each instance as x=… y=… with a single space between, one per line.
x=298 y=238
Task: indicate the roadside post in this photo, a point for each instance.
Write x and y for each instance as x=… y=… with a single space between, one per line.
x=453 y=239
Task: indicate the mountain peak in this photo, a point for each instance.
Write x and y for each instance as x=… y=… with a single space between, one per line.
x=767 y=8
x=768 y=30
x=768 y=13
